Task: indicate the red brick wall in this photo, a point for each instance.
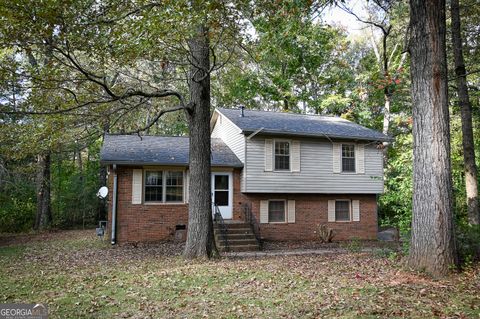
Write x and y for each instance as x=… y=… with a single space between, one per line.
x=142 y=223
x=153 y=222
x=311 y=211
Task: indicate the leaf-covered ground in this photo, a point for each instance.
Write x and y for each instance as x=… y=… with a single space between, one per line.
x=78 y=276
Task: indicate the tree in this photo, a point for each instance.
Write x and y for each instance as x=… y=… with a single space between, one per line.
x=386 y=18
x=200 y=241
x=100 y=71
x=432 y=245
x=470 y=167
x=292 y=63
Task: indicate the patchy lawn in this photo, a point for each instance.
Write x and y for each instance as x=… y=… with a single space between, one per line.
x=78 y=276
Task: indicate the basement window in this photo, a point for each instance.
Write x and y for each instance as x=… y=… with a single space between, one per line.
x=276 y=211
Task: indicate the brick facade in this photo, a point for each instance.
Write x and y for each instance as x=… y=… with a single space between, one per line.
x=153 y=222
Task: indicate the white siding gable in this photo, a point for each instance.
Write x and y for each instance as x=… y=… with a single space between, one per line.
x=231 y=135
x=316 y=174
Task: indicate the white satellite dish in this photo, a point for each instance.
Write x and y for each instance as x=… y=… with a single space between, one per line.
x=102 y=192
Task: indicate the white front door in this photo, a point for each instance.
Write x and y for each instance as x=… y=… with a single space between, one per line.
x=222 y=193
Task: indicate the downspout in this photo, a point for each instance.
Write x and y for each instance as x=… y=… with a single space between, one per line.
x=114 y=205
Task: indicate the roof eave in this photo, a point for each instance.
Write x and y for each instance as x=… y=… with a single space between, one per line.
x=138 y=163
x=301 y=134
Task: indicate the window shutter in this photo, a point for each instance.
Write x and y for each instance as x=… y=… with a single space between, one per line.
x=295 y=156
x=263 y=211
x=331 y=210
x=268 y=155
x=291 y=211
x=356 y=210
x=337 y=157
x=360 y=159
x=137 y=186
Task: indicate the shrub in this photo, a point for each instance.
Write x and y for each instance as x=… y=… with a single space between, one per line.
x=325 y=233
x=468 y=242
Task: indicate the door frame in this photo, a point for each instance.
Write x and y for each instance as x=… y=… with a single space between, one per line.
x=226 y=211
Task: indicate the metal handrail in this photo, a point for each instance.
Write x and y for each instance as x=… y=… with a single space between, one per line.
x=220 y=222
x=252 y=220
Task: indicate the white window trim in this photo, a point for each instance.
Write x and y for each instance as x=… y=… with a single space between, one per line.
x=285 y=208
x=289 y=156
x=354 y=172
x=164 y=186
x=350 y=212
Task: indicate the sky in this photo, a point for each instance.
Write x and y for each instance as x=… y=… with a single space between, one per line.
x=337 y=16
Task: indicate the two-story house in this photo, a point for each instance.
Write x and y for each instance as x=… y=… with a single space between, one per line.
x=292 y=172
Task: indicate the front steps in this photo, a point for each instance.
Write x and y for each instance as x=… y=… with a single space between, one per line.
x=239 y=235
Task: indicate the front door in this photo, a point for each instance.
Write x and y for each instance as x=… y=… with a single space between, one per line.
x=222 y=195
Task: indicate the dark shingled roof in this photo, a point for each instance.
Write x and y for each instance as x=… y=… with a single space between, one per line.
x=160 y=150
x=278 y=123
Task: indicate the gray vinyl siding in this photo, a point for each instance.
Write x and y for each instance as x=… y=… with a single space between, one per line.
x=316 y=171
x=231 y=135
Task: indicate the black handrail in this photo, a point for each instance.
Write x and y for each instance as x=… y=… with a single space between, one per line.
x=252 y=220
x=220 y=222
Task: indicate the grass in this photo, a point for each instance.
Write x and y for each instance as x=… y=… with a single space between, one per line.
x=78 y=276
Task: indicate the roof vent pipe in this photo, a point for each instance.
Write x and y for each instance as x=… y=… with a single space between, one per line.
x=242 y=108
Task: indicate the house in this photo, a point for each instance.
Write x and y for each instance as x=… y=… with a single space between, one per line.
x=289 y=172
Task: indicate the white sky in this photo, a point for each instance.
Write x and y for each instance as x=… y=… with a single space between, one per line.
x=336 y=16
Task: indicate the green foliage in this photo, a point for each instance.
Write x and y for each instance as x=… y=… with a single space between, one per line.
x=74 y=201
x=468 y=242
x=17 y=199
x=395 y=205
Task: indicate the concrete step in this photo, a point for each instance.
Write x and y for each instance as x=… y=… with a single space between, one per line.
x=235 y=231
x=240 y=242
x=234 y=225
x=237 y=248
x=236 y=236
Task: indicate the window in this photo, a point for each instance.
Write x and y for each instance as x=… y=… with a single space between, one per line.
x=342 y=210
x=282 y=156
x=221 y=190
x=174 y=186
x=348 y=158
x=163 y=186
x=276 y=211
x=153 y=186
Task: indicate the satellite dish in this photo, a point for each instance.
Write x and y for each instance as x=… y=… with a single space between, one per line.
x=102 y=192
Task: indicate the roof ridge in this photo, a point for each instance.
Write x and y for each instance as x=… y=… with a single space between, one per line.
x=287 y=113
x=147 y=135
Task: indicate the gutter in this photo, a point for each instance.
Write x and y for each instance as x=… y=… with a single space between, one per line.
x=299 y=134
x=114 y=205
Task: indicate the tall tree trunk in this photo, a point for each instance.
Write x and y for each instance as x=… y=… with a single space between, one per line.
x=43 y=218
x=471 y=181
x=432 y=245
x=200 y=242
